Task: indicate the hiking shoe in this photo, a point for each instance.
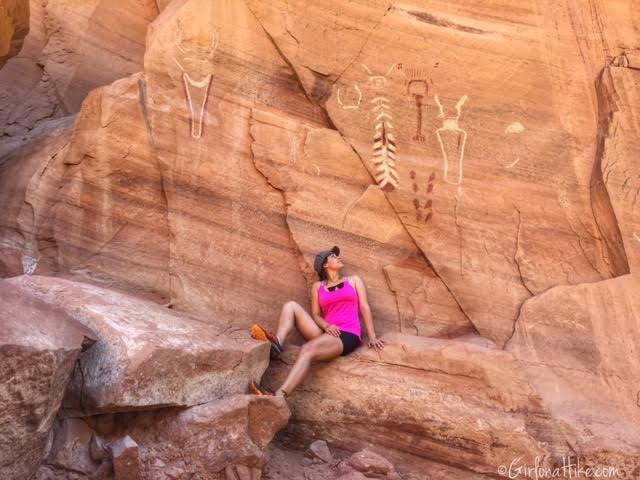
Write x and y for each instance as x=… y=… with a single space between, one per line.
x=256 y=389
x=260 y=333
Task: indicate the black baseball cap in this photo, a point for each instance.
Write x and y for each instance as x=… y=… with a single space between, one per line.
x=322 y=257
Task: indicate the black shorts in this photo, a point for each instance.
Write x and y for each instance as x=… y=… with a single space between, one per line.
x=349 y=342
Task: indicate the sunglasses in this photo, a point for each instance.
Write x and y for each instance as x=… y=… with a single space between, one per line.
x=340 y=285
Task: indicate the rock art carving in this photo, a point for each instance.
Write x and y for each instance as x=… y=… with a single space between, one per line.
x=384 y=142
x=202 y=87
x=511 y=165
x=514 y=128
x=452 y=140
x=423 y=212
x=418 y=88
x=353 y=100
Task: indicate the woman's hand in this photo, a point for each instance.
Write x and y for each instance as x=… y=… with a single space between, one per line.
x=332 y=330
x=376 y=343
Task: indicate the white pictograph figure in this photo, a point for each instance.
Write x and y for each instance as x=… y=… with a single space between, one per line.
x=515 y=128
x=201 y=55
x=384 y=142
x=354 y=104
x=453 y=150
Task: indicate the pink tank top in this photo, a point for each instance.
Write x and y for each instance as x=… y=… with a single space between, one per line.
x=340 y=308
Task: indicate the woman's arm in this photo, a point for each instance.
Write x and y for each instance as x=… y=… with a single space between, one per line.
x=364 y=306
x=316 y=313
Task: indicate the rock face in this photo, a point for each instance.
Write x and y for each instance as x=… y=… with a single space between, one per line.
x=38 y=350
x=475 y=162
x=14 y=26
x=575 y=363
x=146 y=356
x=73 y=46
x=460 y=404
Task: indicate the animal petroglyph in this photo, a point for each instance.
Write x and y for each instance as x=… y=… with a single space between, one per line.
x=378 y=82
x=352 y=98
x=452 y=140
x=201 y=55
x=423 y=212
x=384 y=142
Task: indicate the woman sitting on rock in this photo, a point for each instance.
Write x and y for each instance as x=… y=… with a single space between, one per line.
x=338 y=333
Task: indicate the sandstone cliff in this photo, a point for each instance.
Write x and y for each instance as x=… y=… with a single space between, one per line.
x=475 y=162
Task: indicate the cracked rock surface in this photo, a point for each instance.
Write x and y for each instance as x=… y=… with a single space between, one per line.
x=167 y=163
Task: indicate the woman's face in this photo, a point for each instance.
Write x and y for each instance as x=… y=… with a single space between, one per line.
x=334 y=262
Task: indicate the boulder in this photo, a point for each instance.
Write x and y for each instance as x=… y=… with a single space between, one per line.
x=446 y=401
x=39 y=346
x=320 y=450
x=222 y=437
x=126 y=459
x=146 y=355
x=373 y=465
x=577 y=345
x=70 y=452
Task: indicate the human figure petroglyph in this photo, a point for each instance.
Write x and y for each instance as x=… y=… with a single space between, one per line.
x=451 y=126
x=199 y=58
x=353 y=102
x=515 y=128
x=384 y=142
x=418 y=88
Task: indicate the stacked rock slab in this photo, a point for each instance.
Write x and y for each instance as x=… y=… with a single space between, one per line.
x=39 y=346
x=446 y=407
x=146 y=355
x=177 y=384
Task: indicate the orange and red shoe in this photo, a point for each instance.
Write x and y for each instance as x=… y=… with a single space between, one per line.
x=258 y=390
x=260 y=333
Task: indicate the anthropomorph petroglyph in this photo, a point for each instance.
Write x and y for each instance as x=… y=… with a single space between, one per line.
x=198 y=58
x=350 y=100
x=418 y=88
x=515 y=128
x=452 y=140
x=424 y=212
x=384 y=142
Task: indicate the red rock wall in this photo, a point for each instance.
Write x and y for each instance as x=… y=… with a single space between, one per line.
x=473 y=160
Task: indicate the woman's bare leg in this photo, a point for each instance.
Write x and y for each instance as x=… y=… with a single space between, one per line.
x=293 y=314
x=323 y=348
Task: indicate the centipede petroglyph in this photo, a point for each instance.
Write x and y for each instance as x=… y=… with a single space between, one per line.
x=384 y=142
